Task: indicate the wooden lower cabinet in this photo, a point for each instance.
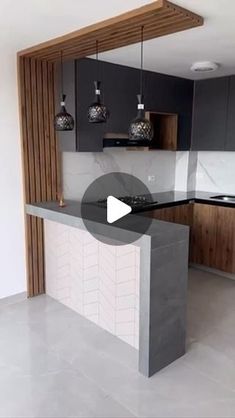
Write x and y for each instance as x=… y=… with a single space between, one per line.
x=212 y=237
x=180 y=214
x=203 y=235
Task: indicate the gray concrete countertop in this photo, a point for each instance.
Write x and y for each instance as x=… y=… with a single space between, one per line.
x=161 y=233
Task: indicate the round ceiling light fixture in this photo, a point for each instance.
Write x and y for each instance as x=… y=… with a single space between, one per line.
x=204 y=66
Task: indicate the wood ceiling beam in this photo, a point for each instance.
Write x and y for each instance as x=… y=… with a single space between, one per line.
x=159 y=18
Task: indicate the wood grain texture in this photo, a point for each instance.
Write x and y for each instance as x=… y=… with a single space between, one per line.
x=204 y=235
x=159 y=18
x=165 y=126
x=40 y=157
x=213 y=237
x=181 y=214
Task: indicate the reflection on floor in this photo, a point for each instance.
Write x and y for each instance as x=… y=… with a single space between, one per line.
x=54 y=363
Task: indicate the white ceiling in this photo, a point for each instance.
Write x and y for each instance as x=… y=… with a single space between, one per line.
x=26 y=22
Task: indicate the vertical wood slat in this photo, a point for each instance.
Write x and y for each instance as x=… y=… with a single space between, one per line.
x=41 y=166
x=47 y=155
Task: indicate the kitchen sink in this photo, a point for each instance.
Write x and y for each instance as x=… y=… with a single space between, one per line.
x=226 y=198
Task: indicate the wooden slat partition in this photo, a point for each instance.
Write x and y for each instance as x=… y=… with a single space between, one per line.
x=36 y=67
x=40 y=156
x=159 y=18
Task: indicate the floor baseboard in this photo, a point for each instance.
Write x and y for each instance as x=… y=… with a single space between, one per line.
x=213 y=271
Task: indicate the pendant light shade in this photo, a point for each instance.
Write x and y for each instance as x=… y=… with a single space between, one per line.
x=141 y=129
x=97 y=112
x=63 y=120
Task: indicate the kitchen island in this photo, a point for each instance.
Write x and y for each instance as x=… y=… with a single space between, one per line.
x=135 y=291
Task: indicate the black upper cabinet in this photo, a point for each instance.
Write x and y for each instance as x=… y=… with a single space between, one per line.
x=210 y=114
x=119 y=88
x=169 y=94
x=230 y=138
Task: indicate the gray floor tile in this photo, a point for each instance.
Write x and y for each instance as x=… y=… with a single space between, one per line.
x=54 y=363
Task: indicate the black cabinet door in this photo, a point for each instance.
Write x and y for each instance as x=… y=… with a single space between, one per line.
x=120 y=89
x=170 y=94
x=230 y=139
x=210 y=114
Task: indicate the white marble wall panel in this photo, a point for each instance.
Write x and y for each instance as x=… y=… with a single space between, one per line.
x=99 y=281
x=80 y=169
x=185 y=170
x=216 y=172
x=181 y=171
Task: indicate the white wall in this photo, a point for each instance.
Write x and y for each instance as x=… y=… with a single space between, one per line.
x=12 y=254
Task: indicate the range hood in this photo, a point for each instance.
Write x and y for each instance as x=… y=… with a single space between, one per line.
x=121 y=140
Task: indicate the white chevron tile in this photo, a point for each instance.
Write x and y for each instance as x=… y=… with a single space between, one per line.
x=90 y=261
x=125 y=315
x=94 y=279
x=125 y=302
x=106 y=305
x=124 y=249
x=126 y=288
x=91 y=248
x=126 y=260
x=126 y=274
x=63 y=293
x=91 y=272
x=91 y=297
x=125 y=328
x=91 y=284
x=91 y=309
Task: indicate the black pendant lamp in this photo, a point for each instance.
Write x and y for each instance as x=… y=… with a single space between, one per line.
x=141 y=129
x=97 y=112
x=63 y=120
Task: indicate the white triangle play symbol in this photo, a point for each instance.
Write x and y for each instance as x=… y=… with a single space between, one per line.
x=116 y=209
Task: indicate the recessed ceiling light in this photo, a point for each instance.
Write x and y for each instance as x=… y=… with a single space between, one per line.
x=204 y=66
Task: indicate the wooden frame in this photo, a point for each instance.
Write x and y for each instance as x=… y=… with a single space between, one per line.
x=165 y=129
x=36 y=73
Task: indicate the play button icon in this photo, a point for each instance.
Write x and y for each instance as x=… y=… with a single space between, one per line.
x=116 y=209
x=108 y=212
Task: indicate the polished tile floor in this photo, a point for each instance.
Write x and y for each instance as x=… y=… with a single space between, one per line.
x=54 y=363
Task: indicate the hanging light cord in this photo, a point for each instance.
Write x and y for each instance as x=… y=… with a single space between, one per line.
x=62 y=76
x=142 y=60
x=97 y=50
x=97 y=57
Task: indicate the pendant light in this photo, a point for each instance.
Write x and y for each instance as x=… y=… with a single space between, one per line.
x=141 y=129
x=63 y=120
x=97 y=112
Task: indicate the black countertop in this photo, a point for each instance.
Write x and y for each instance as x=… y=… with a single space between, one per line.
x=173 y=198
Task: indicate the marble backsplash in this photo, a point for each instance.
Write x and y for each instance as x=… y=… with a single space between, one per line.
x=205 y=171
x=80 y=169
x=216 y=172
